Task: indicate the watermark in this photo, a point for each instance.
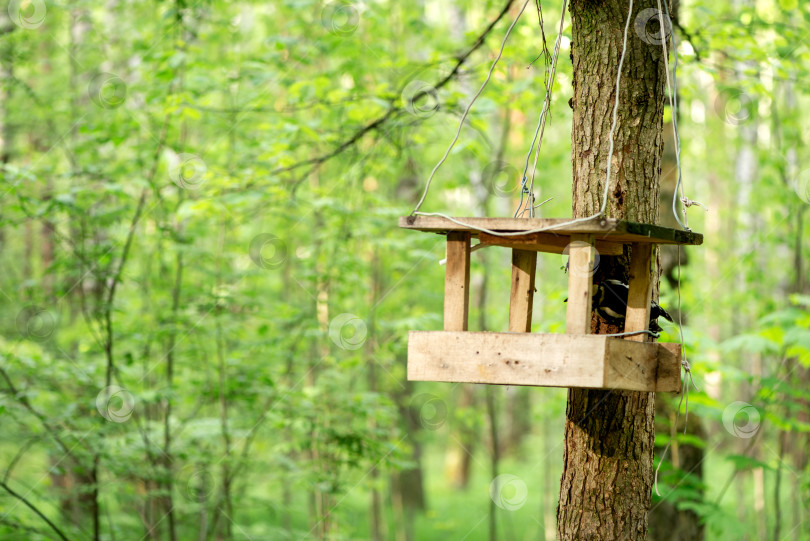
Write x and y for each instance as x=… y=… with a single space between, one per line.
x=107 y=90
x=115 y=404
x=501 y=178
x=580 y=264
x=199 y=483
x=268 y=251
x=186 y=170
x=649 y=27
x=348 y=331
x=340 y=18
x=508 y=491
x=28 y=14
x=741 y=419
x=734 y=106
x=35 y=323
x=431 y=409
x=420 y=99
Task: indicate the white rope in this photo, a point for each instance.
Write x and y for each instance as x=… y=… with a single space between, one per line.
x=663 y=26
x=688 y=203
x=615 y=113
x=672 y=89
x=541 y=125
x=607 y=180
x=467 y=110
x=507 y=234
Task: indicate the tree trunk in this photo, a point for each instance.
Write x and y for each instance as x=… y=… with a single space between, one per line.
x=377 y=522
x=492 y=414
x=608 y=459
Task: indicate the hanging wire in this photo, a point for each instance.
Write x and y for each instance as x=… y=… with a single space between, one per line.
x=615 y=114
x=547 y=61
x=633 y=333
x=598 y=214
x=469 y=107
x=541 y=126
x=687 y=380
x=544 y=50
x=672 y=88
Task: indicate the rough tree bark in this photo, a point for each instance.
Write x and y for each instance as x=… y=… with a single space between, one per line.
x=605 y=490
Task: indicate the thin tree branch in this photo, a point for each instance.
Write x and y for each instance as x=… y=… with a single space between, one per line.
x=273 y=111
x=20 y=452
x=21 y=527
x=689 y=37
x=22 y=399
x=34 y=509
x=319 y=160
x=394 y=109
x=108 y=346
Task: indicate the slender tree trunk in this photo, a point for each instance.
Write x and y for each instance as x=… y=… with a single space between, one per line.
x=494 y=460
x=320 y=499
x=167 y=459
x=667 y=521
x=745 y=173
x=85 y=478
x=375 y=507
x=547 y=509
x=408 y=484
x=789 y=140
x=226 y=477
x=6 y=93
x=6 y=89
x=608 y=459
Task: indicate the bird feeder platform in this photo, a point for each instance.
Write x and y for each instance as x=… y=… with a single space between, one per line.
x=519 y=357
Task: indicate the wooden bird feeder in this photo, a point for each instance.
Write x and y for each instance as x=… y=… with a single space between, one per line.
x=519 y=357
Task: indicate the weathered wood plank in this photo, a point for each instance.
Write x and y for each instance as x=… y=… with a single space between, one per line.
x=580 y=279
x=546 y=360
x=603 y=228
x=640 y=294
x=654 y=370
x=524 y=265
x=631 y=369
x=546 y=242
x=669 y=368
x=457 y=282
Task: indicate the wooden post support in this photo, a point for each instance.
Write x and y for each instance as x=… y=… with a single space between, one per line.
x=524 y=265
x=457 y=281
x=580 y=279
x=638 y=299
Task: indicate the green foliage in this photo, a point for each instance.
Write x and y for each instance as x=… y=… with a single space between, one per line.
x=205 y=299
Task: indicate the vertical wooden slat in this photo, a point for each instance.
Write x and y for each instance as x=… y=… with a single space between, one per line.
x=638 y=300
x=524 y=265
x=580 y=258
x=457 y=281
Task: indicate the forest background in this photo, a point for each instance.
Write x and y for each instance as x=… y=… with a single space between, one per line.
x=205 y=297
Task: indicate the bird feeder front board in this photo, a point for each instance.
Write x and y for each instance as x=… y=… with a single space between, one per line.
x=519 y=357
